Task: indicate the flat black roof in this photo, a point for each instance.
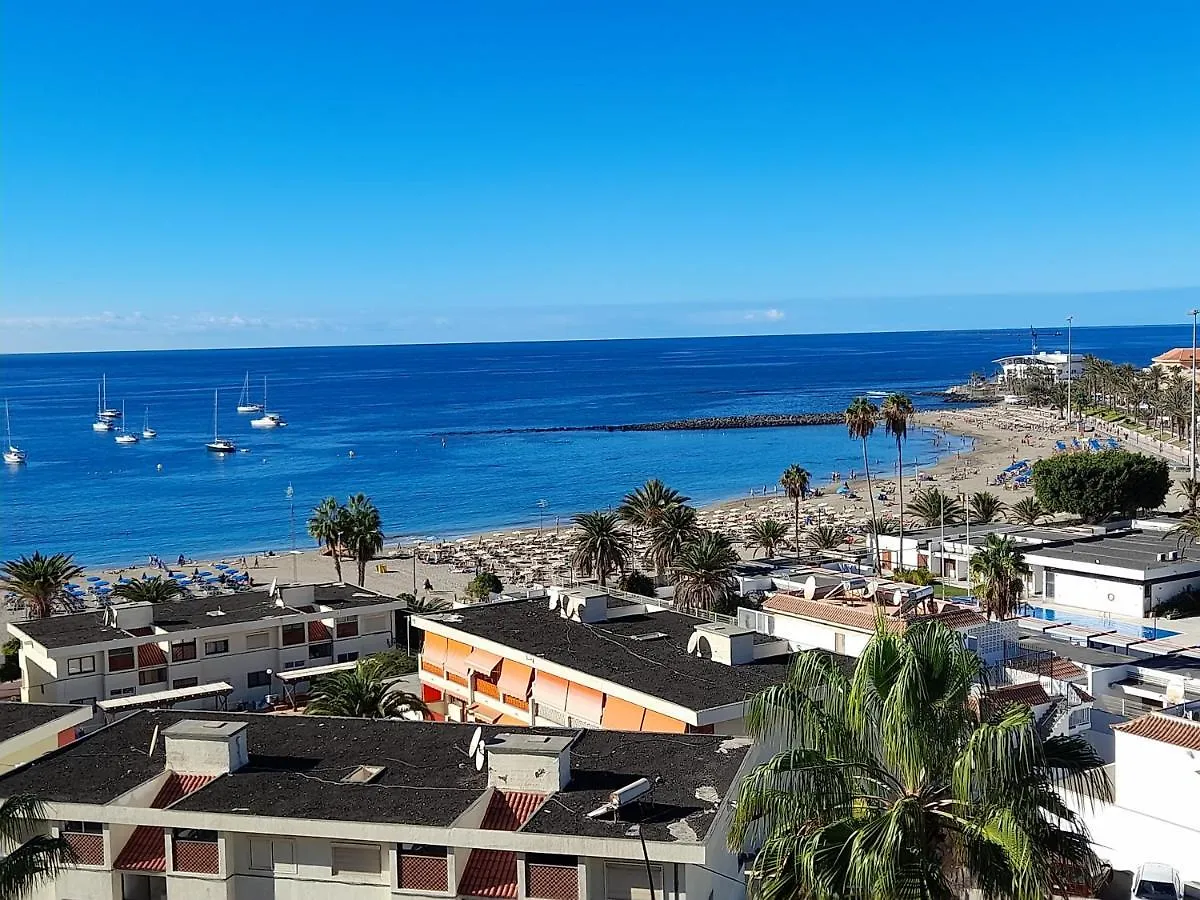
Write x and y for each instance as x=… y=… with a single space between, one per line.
x=17 y=718
x=1127 y=550
x=1088 y=656
x=660 y=667
x=296 y=764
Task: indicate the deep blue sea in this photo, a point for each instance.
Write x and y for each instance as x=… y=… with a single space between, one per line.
x=80 y=492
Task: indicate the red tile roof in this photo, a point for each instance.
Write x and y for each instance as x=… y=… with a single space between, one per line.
x=145 y=851
x=1168 y=729
x=1030 y=693
x=318 y=631
x=493 y=873
x=150 y=656
x=1055 y=667
x=177 y=786
x=1181 y=356
x=860 y=617
x=509 y=810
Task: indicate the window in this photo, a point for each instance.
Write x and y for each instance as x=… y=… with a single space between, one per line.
x=318 y=651
x=195 y=834
x=122 y=692
x=347 y=657
x=295 y=664
x=120 y=660
x=293 y=634
x=421 y=867
x=81 y=665
x=258 y=640
x=179 y=683
x=152 y=676
x=374 y=623
x=272 y=856
x=181 y=651
x=347 y=626
x=356 y=859
x=82 y=701
x=83 y=828
x=212 y=648
x=624 y=881
x=258 y=680
x=1049 y=588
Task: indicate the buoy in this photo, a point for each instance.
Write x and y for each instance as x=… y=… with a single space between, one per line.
x=159 y=467
x=352 y=454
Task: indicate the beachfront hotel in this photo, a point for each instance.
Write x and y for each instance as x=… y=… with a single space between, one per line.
x=234 y=648
x=29 y=730
x=1054 y=366
x=174 y=805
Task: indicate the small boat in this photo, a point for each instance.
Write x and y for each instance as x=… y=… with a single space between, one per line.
x=123 y=436
x=147 y=431
x=106 y=412
x=101 y=423
x=245 y=404
x=267 y=419
x=219 y=444
x=14 y=455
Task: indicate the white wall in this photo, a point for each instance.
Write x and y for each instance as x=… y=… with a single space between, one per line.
x=1093 y=592
x=1159 y=779
x=806 y=634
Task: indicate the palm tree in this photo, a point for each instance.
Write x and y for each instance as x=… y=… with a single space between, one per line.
x=825 y=537
x=675 y=529
x=363 y=692
x=883 y=525
x=1187 y=532
x=704 y=573
x=767 y=534
x=149 y=590
x=362 y=532
x=986 y=507
x=893 y=783
x=423 y=606
x=32 y=859
x=325 y=527
x=1026 y=511
x=998 y=573
x=1189 y=491
x=643 y=507
x=39 y=579
x=601 y=547
x=897 y=411
x=931 y=504
x=794 y=481
x=861 y=418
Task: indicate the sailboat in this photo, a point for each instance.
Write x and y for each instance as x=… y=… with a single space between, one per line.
x=245 y=404
x=106 y=412
x=267 y=419
x=147 y=431
x=218 y=443
x=101 y=423
x=123 y=436
x=14 y=455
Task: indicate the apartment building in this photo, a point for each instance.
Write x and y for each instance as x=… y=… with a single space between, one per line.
x=175 y=805
x=27 y=730
x=231 y=647
x=582 y=658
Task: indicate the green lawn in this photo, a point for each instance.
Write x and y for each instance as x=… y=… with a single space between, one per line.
x=942 y=591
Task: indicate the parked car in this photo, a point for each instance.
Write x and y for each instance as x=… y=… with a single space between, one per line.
x=1156 y=881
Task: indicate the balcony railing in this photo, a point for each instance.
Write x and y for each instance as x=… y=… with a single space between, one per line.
x=421 y=873
x=197 y=856
x=545 y=881
x=88 y=847
x=486 y=688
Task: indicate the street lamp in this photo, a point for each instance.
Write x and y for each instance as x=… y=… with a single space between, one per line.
x=1192 y=425
x=291 y=499
x=1070 y=366
x=541 y=505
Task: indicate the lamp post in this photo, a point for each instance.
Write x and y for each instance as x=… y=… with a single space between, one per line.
x=541 y=505
x=1192 y=424
x=291 y=499
x=1070 y=367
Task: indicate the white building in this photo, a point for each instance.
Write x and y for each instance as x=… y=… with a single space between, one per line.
x=234 y=645
x=209 y=806
x=28 y=730
x=1039 y=365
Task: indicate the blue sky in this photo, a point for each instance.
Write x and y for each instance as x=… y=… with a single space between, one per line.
x=269 y=173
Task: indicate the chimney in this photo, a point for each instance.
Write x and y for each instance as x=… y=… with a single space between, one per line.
x=205 y=747
x=529 y=762
x=732 y=645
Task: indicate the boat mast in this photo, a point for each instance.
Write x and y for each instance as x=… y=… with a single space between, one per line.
x=215 y=393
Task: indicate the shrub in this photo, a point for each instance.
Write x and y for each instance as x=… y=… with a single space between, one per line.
x=638 y=583
x=483 y=584
x=1098 y=486
x=921 y=577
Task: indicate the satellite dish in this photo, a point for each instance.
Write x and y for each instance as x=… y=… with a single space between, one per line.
x=480 y=757
x=153 y=741
x=476 y=740
x=810 y=587
x=872 y=587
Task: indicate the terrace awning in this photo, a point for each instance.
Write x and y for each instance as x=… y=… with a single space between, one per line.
x=550 y=689
x=657 y=722
x=434 y=651
x=621 y=715
x=585 y=703
x=482 y=661
x=514 y=679
x=293 y=675
x=456 y=658
x=166 y=698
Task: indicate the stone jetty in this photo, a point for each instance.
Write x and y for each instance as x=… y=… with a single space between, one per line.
x=713 y=423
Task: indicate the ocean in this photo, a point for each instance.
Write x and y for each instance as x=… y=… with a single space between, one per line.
x=393 y=422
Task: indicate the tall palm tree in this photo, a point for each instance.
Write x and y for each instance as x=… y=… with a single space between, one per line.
x=149 y=590
x=675 y=529
x=1187 y=532
x=704 y=573
x=1026 y=511
x=767 y=534
x=826 y=537
x=362 y=532
x=998 y=573
x=39 y=579
x=1189 y=492
x=423 y=606
x=325 y=527
x=643 y=507
x=601 y=547
x=794 y=481
x=891 y=782
x=985 y=507
x=931 y=504
x=364 y=692
x=32 y=859
x=897 y=411
x=861 y=418
x=883 y=525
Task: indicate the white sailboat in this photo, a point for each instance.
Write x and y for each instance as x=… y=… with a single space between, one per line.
x=14 y=455
x=218 y=443
x=106 y=412
x=245 y=404
x=101 y=423
x=267 y=419
x=123 y=436
x=147 y=431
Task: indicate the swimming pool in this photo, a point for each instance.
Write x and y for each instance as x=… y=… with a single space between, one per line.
x=1050 y=615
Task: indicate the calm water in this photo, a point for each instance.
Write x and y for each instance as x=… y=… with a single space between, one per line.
x=392 y=406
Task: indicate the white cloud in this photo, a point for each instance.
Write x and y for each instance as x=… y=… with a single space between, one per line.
x=765 y=315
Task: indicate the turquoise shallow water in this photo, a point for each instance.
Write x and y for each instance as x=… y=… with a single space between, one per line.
x=393 y=407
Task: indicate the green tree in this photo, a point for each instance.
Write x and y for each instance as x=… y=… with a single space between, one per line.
x=32 y=859
x=931 y=504
x=825 y=537
x=675 y=529
x=985 y=507
x=767 y=534
x=1189 y=492
x=149 y=590
x=704 y=573
x=998 y=572
x=1097 y=486
x=601 y=546
x=861 y=418
x=892 y=783
x=325 y=527
x=638 y=583
x=794 y=481
x=10 y=660
x=883 y=525
x=484 y=584
x=643 y=507
x=364 y=692
x=361 y=532
x=1026 y=511
x=38 y=580
x=394 y=661
x=421 y=606
x=897 y=411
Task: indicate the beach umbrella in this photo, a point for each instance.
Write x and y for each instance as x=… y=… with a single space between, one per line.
x=101 y=584
x=103 y=589
x=221 y=566
x=92 y=578
x=204 y=573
